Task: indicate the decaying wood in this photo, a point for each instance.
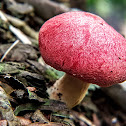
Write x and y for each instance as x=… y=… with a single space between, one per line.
x=17 y=78
x=25 y=80
x=46 y=8
x=27 y=74
x=20 y=52
x=9 y=49
x=6 y=110
x=18 y=8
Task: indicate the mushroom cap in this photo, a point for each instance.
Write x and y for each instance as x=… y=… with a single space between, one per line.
x=85 y=46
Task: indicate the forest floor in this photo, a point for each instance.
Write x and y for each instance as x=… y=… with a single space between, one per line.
x=24 y=78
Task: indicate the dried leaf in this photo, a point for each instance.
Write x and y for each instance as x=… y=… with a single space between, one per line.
x=24 y=121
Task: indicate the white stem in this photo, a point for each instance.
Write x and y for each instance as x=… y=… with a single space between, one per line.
x=68 y=89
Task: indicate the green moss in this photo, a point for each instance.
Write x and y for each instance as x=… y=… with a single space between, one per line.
x=6 y=68
x=1 y=68
x=24 y=107
x=47 y=102
x=51 y=75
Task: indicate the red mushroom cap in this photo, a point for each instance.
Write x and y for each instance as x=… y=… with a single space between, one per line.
x=85 y=46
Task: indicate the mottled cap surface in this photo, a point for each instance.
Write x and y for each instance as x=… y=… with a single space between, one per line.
x=85 y=46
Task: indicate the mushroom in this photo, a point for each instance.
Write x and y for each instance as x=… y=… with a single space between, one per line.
x=87 y=49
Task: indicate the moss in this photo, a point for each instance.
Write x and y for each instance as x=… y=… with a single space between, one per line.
x=6 y=68
x=51 y=75
x=2 y=66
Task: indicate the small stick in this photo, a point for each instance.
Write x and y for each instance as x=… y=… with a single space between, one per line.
x=8 y=50
x=20 y=35
x=24 y=39
x=3 y=17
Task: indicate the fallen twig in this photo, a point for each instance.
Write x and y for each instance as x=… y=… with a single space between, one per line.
x=9 y=49
x=23 y=26
x=24 y=39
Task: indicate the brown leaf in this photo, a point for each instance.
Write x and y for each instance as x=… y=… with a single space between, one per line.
x=38 y=116
x=24 y=121
x=31 y=89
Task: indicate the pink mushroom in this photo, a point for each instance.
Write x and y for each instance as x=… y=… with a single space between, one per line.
x=85 y=47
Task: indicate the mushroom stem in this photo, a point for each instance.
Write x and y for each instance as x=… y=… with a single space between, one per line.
x=68 y=89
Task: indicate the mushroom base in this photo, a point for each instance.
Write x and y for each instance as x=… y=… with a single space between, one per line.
x=68 y=89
